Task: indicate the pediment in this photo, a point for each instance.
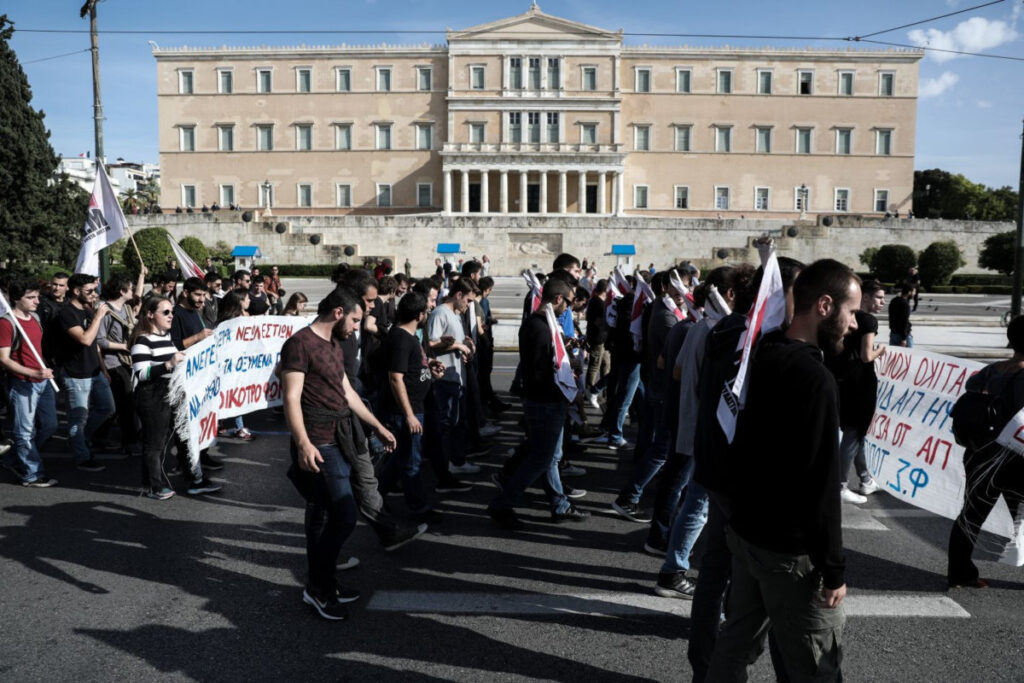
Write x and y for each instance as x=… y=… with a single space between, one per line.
x=534 y=25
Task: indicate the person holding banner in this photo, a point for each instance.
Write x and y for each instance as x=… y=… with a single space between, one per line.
x=32 y=401
x=115 y=331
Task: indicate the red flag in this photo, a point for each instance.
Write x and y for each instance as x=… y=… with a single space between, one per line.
x=187 y=266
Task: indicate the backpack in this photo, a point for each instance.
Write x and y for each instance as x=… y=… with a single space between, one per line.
x=979 y=417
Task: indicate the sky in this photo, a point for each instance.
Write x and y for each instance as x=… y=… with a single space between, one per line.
x=970 y=109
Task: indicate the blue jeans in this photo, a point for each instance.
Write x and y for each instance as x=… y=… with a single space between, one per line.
x=897 y=340
x=628 y=388
x=653 y=443
x=330 y=519
x=90 y=403
x=851 y=452
x=686 y=528
x=405 y=463
x=449 y=408
x=34 y=411
x=544 y=425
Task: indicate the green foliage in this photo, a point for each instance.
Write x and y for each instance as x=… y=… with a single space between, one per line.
x=940 y=194
x=155 y=249
x=972 y=289
x=965 y=279
x=196 y=249
x=891 y=262
x=868 y=256
x=938 y=262
x=301 y=270
x=997 y=253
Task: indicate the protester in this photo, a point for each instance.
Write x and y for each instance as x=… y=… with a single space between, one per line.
x=275 y=291
x=54 y=298
x=235 y=304
x=259 y=301
x=241 y=279
x=214 y=294
x=597 y=338
x=296 y=304
x=899 y=317
x=113 y=338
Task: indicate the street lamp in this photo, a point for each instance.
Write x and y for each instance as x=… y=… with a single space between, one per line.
x=267 y=189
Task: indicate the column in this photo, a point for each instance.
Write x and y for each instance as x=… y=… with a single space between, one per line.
x=581 y=193
x=601 y=206
x=620 y=186
x=465 y=192
x=543 y=191
x=485 y=189
x=561 y=191
x=503 y=186
x=447 y=192
x=522 y=191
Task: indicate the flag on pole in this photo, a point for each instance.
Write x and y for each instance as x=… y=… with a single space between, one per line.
x=5 y=309
x=536 y=289
x=104 y=224
x=564 y=378
x=186 y=265
x=715 y=307
x=644 y=296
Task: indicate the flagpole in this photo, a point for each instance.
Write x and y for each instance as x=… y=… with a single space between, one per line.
x=21 y=331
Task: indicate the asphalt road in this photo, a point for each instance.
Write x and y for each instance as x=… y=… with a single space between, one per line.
x=99 y=584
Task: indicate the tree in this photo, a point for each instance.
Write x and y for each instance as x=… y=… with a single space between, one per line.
x=196 y=250
x=41 y=216
x=155 y=249
x=997 y=253
x=938 y=262
x=892 y=261
x=940 y=194
x=868 y=256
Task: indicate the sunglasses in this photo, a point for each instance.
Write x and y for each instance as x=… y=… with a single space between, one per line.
x=166 y=312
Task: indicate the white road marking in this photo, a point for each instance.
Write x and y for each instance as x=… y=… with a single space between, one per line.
x=860 y=519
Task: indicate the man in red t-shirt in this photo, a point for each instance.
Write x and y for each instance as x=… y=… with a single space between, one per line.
x=31 y=393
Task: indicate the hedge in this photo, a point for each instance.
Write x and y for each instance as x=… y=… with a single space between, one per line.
x=972 y=289
x=982 y=279
x=300 y=270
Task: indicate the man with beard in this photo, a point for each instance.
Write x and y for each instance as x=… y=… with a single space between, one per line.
x=788 y=564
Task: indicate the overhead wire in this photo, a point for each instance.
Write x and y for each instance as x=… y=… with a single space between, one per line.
x=46 y=59
x=925 y=21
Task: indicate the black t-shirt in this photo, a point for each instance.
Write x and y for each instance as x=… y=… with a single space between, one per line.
x=258 y=304
x=185 y=324
x=78 y=361
x=855 y=378
x=402 y=352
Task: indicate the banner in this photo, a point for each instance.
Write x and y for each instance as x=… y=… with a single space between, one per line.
x=229 y=373
x=563 y=371
x=104 y=224
x=186 y=265
x=910 y=449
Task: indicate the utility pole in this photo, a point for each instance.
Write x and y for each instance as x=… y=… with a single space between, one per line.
x=97 y=112
x=1018 y=253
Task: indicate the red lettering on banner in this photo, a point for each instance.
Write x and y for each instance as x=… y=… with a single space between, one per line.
x=207 y=427
x=894 y=366
x=1017 y=435
x=881 y=427
x=900 y=434
x=932 y=447
x=238 y=397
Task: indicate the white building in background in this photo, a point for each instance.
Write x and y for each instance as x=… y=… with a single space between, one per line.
x=124 y=175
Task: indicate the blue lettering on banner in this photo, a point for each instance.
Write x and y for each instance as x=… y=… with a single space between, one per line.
x=256 y=362
x=200 y=361
x=876 y=456
x=193 y=407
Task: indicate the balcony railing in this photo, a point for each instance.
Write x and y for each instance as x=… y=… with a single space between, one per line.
x=541 y=147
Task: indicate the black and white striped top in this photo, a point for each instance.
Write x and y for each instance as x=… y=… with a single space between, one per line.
x=149 y=353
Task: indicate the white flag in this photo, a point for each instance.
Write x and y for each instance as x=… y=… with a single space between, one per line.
x=186 y=265
x=563 y=372
x=104 y=224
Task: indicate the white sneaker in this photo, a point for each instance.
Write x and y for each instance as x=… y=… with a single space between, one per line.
x=866 y=489
x=470 y=468
x=593 y=402
x=848 y=496
x=490 y=430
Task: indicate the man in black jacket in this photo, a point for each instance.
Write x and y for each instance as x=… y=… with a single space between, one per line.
x=899 y=317
x=788 y=565
x=597 y=337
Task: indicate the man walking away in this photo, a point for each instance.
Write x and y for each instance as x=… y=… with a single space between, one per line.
x=899 y=318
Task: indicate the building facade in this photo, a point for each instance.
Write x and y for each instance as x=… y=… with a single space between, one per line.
x=537 y=114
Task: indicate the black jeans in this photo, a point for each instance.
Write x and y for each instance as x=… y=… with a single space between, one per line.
x=121 y=388
x=157 y=426
x=330 y=519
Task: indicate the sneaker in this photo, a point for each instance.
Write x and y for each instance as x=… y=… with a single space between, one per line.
x=490 y=430
x=90 y=465
x=674 y=585
x=244 y=434
x=343 y=595
x=226 y=433
x=40 y=483
x=592 y=401
x=400 y=537
x=868 y=487
x=348 y=563
x=5 y=446
x=159 y=494
x=572 y=514
x=656 y=548
x=499 y=480
x=601 y=439
x=507 y=519
x=848 y=496
x=332 y=610
x=972 y=583
x=466 y=468
x=570 y=492
x=618 y=443
x=631 y=511
x=572 y=471
x=210 y=463
x=452 y=485
x=203 y=486
x=478 y=451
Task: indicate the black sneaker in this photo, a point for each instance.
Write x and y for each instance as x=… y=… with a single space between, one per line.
x=346 y=563
x=210 y=463
x=400 y=537
x=329 y=609
x=572 y=514
x=656 y=547
x=90 y=465
x=507 y=519
x=203 y=486
x=344 y=595
x=40 y=483
x=452 y=485
x=570 y=492
x=631 y=511
x=674 y=585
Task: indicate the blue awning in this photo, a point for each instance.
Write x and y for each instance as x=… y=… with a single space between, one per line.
x=449 y=248
x=623 y=250
x=246 y=252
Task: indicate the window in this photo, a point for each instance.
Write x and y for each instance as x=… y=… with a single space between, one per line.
x=424 y=195
x=642 y=138
x=842 y=199
x=886 y=83
x=683 y=77
x=424 y=80
x=683 y=138
x=761 y=198
x=344 y=194
x=304 y=80
x=881 y=201
x=534 y=76
x=764 y=82
x=343 y=136
x=265 y=137
x=722 y=198
x=424 y=136
x=383 y=195
x=764 y=140
x=883 y=142
x=590 y=78
x=225 y=81
x=185 y=82
x=187 y=138
x=553 y=134
x=640 y=196
x=515 y=72
x=844 y=141
x=682 y=197
x=515 y=126
x=723 y=139
x=643 y=80
x=384 y=79
x=802 y=197
x=476 y=77
x=383 y=135
x=846 y=83
x=344 y=80
x=805 y=82
x=266 y=195
x=533 y=126
x=304 y=137
x=188 y=195
x=264 y=80
x=724 y=81
x=476 y=132
x=554 y=73
x=305 y=195
x=803 y=140
x=588 y=134
x=226 y=138
x=227 y=195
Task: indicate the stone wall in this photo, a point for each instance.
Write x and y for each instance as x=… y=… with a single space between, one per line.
x=516 y=242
